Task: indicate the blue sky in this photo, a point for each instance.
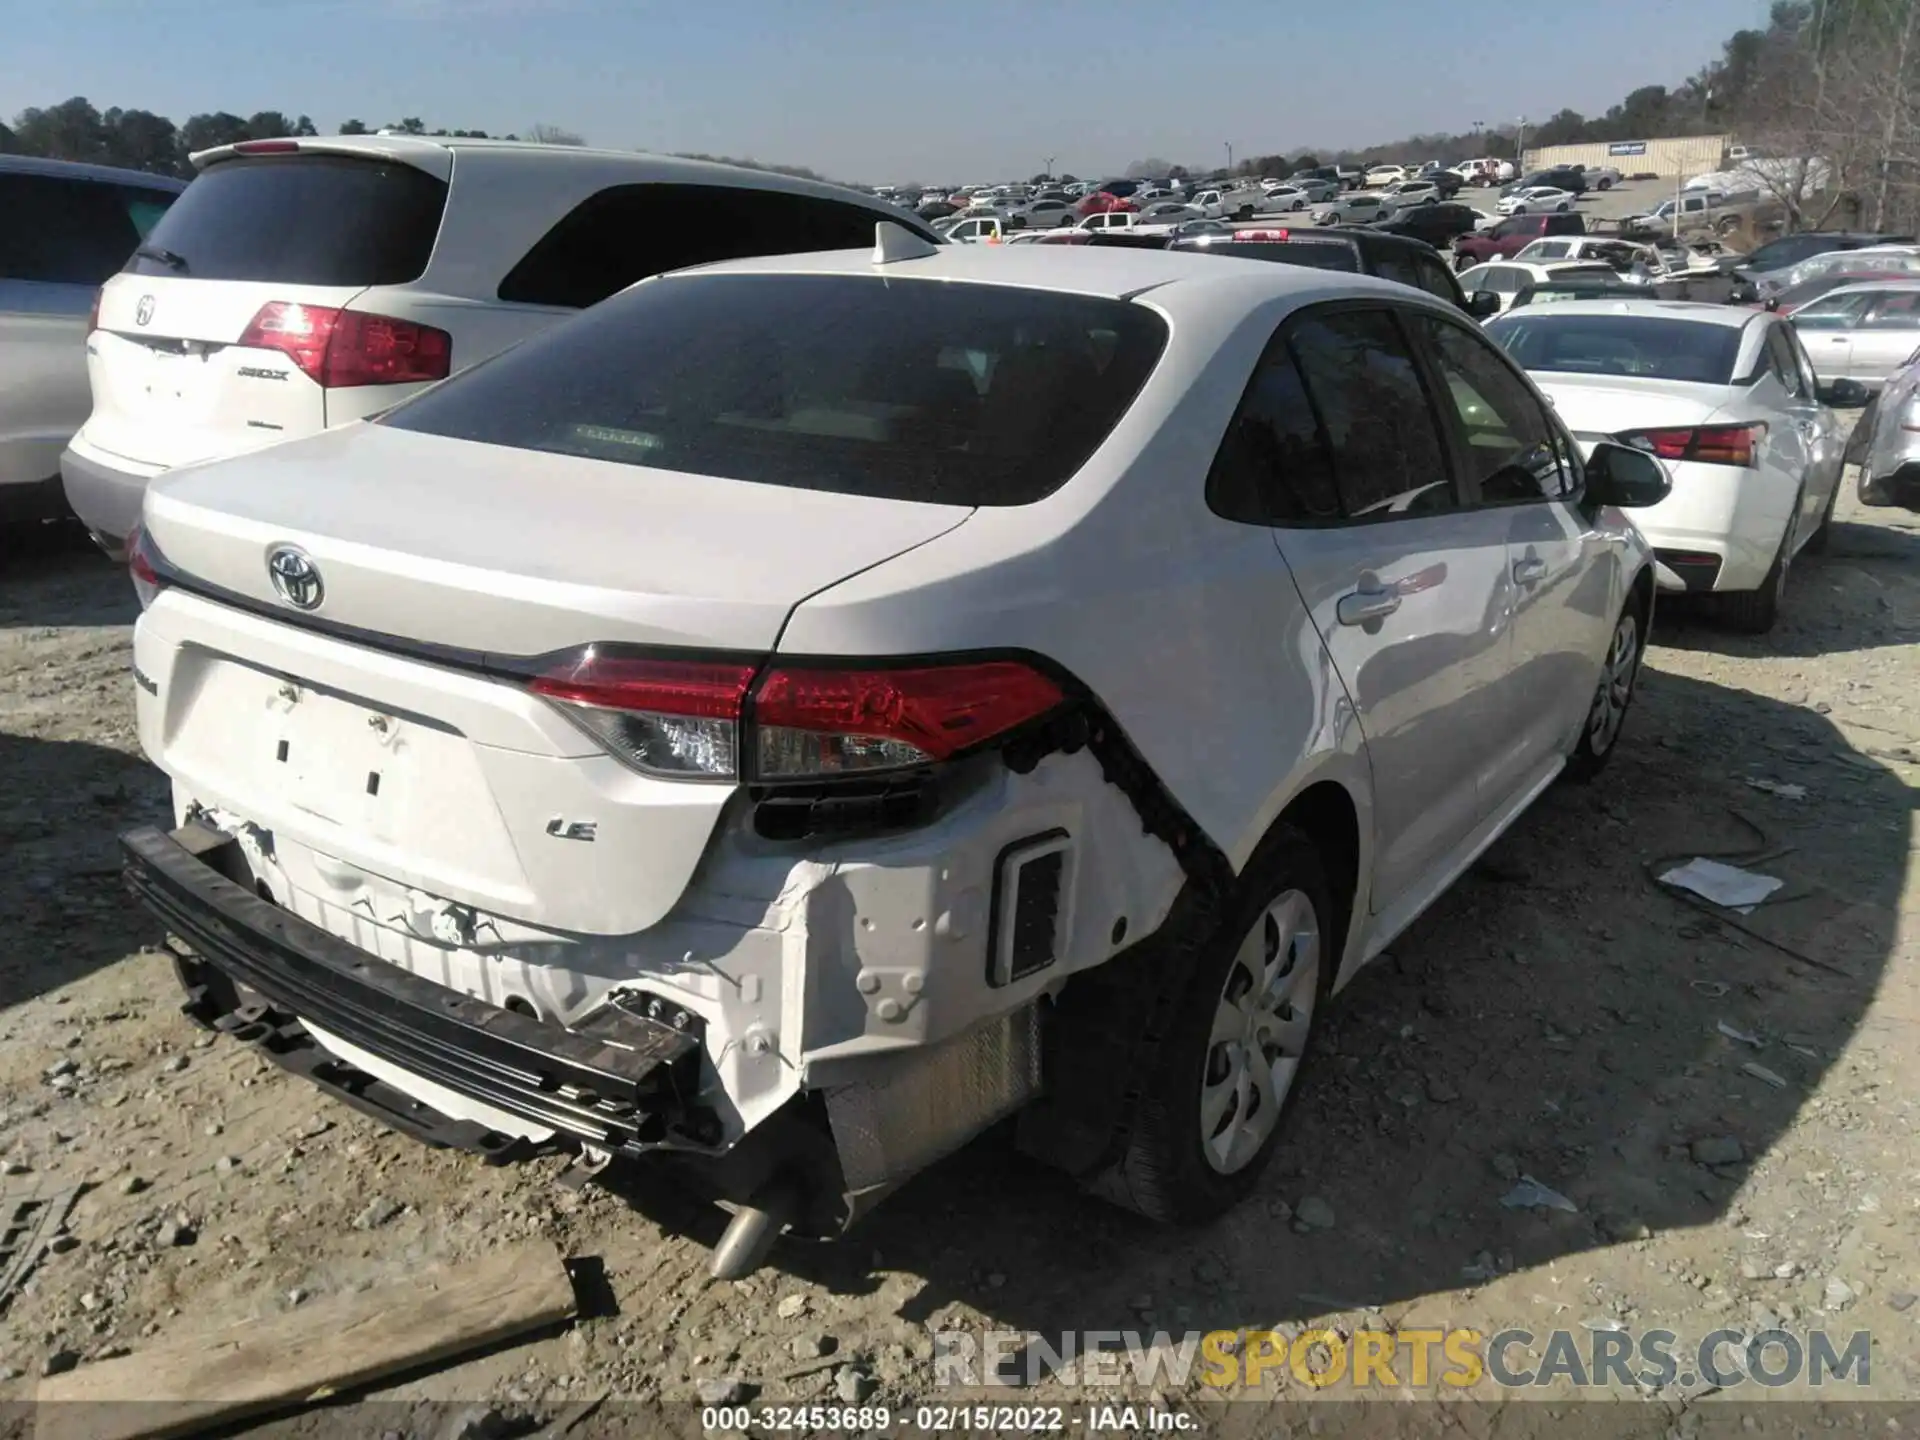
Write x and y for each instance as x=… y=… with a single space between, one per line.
x=954 y=90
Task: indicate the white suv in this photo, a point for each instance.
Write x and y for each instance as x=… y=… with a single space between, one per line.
x=67 y=228
x=301 y=284
x=810 y=708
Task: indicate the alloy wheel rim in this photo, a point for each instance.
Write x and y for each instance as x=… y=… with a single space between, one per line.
x=1616 y=686
x=1259 y=1033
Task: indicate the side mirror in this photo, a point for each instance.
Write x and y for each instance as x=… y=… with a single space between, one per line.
x=1845 y=394
x=1482 y=304
x=1745 y=292
x=1625 y=477
x=1773 y=301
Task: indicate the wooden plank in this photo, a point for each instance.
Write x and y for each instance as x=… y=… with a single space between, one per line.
x=341 y=1343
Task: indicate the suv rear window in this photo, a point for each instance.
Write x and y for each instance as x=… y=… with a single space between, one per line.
x=300 y=220
x=1317 y=254
x=862 y=385
x=64 y=230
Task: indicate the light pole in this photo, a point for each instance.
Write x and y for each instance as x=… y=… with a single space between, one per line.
x=1050 y=160
x=1229 y=145
x=1520 y=146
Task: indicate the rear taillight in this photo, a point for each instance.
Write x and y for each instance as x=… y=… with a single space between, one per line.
x=675 y=718
x=143 y=564
x=1702 y=444
x=339 y=348
x=698 y=719
x=842 y=722
x=267 y=147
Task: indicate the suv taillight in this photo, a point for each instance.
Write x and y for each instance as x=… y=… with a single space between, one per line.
x=143 y=564
x=339 y=348
x=709 y=720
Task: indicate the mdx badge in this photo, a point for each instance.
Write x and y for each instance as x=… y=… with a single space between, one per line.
x=296 y=579
x=143 y=312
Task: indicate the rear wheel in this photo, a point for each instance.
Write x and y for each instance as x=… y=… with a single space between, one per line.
x=1208 y=1119
x=1755 y=612
x=1606 y=184
x=1611 y=697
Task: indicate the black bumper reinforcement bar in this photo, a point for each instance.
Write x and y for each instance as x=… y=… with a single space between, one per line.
x=625 y=1088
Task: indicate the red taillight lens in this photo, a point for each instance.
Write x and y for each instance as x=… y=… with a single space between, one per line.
x=674 y=718
x=685 y=719
x=339 y=348
x=267 y=147
x=831 y=722
x=143 y=564
x=1703 y=444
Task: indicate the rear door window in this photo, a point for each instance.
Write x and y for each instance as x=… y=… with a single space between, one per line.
x=862 y=385
x=1389 y=461
x=1895 y=312
x=629 y=232
x=312 y=219
x=1512 y=450
x=61 y=230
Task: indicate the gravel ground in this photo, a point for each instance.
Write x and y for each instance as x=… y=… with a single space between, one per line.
x=1728 y=1108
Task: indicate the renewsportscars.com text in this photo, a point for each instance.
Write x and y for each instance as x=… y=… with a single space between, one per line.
x=1363 y=1359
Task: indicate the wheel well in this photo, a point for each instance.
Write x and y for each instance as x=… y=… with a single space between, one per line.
x=1324 y=812
x=1641 y=596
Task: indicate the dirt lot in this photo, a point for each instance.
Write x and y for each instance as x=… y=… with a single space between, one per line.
x=1557 y=1016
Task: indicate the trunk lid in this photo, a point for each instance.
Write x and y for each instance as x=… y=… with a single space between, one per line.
x=456 y=543
x=1601 y=406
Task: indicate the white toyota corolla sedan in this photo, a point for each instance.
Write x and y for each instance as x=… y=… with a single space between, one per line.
x=803 y=711
x=1726 y=397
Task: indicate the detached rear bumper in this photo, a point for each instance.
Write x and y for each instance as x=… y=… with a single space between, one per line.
x=624 y=1088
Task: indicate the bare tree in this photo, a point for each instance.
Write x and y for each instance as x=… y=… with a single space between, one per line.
x=544 y=134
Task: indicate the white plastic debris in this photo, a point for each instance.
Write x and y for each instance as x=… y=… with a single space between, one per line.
x=1776 y=787
x=1530 y=1194
x=1734 y=1032
x=1760 y=1072
x=1728 y=885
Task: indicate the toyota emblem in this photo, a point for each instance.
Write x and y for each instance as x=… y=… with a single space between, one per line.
x=143 y=312
x=296 y=579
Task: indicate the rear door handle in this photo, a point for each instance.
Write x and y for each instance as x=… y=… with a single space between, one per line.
x=1526 y=572
x=1362 y=606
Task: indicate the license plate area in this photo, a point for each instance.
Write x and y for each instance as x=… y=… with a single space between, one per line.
x=343 y=762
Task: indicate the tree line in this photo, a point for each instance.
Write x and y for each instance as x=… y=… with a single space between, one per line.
x=141 y=140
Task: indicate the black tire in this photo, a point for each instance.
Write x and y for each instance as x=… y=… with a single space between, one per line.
x=1755 y=612
x=1165 y=1174
x=1861 y=440
x=1619 y=673
x=1818 y=541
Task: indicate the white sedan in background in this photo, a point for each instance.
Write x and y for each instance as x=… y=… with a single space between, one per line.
x=1285 y=198
x=1727 y=398
x=1507 y=278
x=1537 y=200
x=1164 y=214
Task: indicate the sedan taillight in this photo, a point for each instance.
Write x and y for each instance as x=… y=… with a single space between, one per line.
x=710 y=720
x=144 y=565
x=1702 y=444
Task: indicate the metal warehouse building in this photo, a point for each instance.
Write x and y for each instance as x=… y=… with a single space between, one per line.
x=1677 y=158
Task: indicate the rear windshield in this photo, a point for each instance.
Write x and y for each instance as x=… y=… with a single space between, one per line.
x=1632 y=345
x=1316 y=254
x=955 y=394
x=299 y=220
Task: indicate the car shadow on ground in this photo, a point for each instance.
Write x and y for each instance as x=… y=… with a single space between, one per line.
x=1556 y=1015
x=52 y=574
x=63 y=912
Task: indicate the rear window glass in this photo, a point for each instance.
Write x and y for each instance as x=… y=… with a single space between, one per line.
x=954 y=394
x=1636 y=345
x=299 y=220
x=1316 y=254
x=64 y=230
